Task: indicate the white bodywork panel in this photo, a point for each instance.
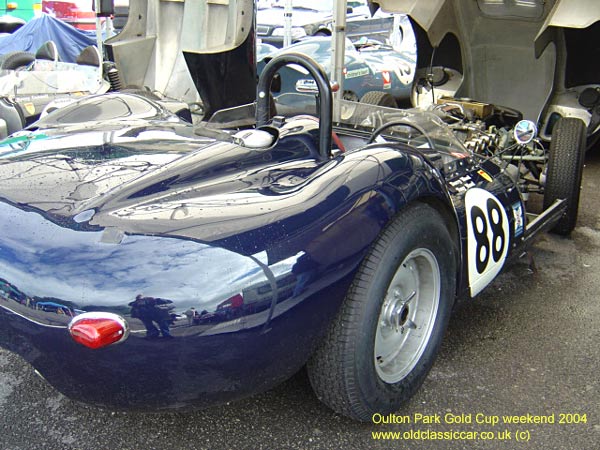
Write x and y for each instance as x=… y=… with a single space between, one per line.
x=507 y=60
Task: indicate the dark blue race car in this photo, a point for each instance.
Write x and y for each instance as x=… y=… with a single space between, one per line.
x=214 y=261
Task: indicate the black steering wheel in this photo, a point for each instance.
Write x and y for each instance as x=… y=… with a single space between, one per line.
x=263 y=107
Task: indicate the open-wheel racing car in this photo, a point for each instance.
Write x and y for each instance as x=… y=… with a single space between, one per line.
x=214 y=261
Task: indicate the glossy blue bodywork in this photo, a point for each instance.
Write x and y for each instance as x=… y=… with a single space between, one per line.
x=92 y=216
x=204 y=361
x=262 y=243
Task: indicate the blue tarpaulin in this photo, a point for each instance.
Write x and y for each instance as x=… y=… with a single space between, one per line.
x=31 y=36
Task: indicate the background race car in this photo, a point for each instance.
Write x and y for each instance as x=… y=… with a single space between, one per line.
x=312 y=18
x=45 y=61
x=370 y=66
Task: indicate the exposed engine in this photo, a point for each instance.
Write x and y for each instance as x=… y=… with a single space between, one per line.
x=497 y=132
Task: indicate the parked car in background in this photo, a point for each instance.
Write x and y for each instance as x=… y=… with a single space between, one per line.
x=54 y=307
x=370 y=66
x=46 y=62
x=314 y=18
x=36 y=82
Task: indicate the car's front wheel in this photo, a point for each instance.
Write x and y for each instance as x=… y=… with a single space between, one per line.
x=388 y=332
x=565 y=170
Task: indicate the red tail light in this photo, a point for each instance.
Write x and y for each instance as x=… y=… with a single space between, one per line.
x=98 y=329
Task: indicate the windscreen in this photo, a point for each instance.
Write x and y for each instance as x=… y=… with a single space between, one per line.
x=415 y=127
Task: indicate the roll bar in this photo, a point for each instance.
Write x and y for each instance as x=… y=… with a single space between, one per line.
x=325 y=105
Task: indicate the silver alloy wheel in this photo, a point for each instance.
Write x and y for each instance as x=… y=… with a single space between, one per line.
x=407 y=316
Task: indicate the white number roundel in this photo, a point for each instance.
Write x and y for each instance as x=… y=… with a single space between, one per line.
x=487 y=237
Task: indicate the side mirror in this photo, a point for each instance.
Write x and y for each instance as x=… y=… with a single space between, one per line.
x=106 y=8
x=349 y=10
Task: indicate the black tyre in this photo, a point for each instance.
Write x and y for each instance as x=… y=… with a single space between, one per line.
x=15 y=60
x=388 y=331
x=364 y=114
x=565 y=169
x=379 y=98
